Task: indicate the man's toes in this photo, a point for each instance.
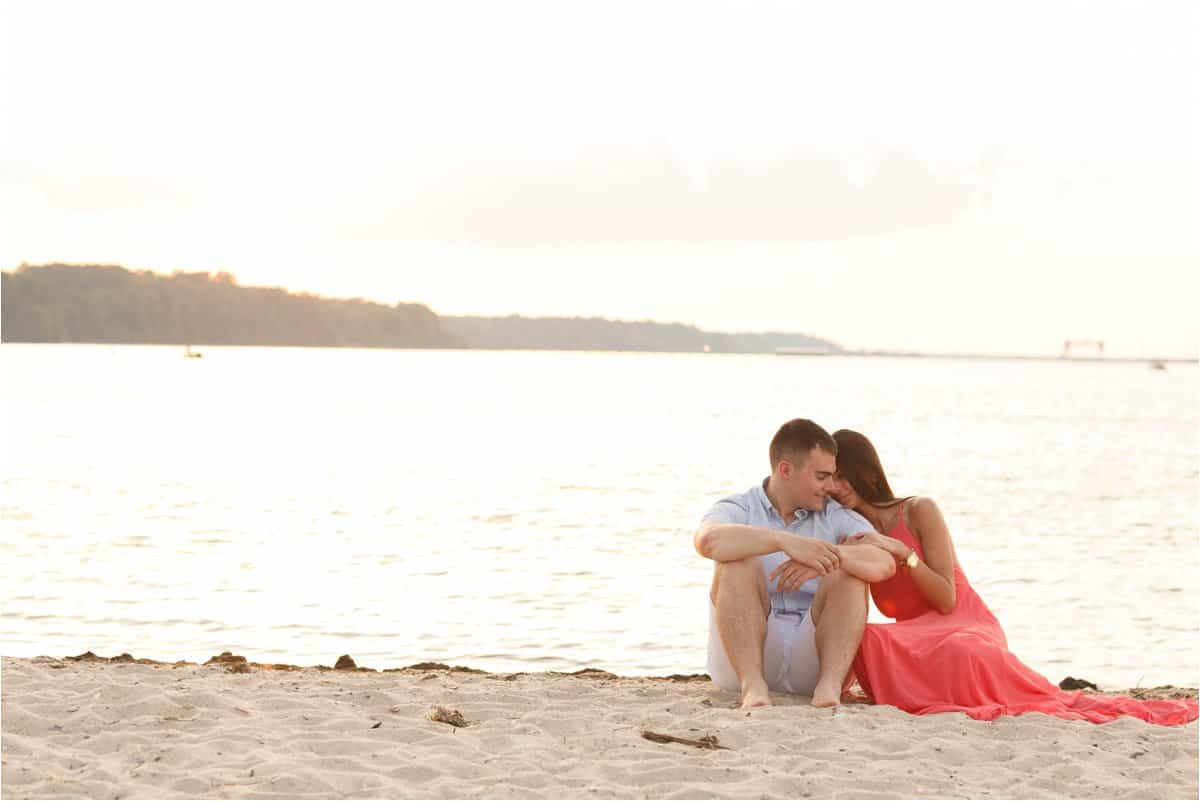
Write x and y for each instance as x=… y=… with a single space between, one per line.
x=825 y=696
x=756 y=696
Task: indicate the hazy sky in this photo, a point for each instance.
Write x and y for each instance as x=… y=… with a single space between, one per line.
x=939 y=176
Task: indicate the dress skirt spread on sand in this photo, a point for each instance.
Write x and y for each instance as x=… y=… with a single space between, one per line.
x=928 y=662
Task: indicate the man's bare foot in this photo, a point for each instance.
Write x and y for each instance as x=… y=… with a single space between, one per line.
x=755 y=694
x=827 y=694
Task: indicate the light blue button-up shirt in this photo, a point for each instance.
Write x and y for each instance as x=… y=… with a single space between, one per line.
x=753 y=508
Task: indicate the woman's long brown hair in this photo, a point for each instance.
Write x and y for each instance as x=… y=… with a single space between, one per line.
x=859 y=464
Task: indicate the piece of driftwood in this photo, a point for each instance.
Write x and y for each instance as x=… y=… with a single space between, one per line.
x=440 y=714
x=708 y=741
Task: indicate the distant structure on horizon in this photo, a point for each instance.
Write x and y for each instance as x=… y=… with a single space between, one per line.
x=1094 y=345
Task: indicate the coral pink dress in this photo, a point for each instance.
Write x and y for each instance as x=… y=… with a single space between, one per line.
x=928 y=662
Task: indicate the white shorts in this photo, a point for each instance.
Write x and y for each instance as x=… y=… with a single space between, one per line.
x=790 y=662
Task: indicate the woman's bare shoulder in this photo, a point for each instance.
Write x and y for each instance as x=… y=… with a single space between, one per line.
x=922 y=504
x=923 y=509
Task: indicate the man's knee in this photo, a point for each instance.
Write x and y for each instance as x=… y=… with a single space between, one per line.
x=840 y=580
x=740 y=573
x=737 y=566
x=840 y=585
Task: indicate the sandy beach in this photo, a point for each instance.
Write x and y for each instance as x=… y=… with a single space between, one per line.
x=125 y=728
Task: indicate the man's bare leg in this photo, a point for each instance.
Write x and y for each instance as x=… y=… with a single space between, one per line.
x=739 y=593
x=839 y=613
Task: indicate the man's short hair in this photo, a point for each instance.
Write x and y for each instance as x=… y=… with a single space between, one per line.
x=796 y=438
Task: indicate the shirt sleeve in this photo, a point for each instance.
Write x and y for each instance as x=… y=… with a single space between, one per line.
x=727 y=511
x=849 y=522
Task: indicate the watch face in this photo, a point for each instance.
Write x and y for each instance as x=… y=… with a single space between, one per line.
x=912 y=560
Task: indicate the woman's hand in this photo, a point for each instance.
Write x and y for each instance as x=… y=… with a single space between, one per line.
x=817 y=555
x=893 y=546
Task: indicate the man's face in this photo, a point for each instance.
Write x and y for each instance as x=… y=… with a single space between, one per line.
x=811 y=481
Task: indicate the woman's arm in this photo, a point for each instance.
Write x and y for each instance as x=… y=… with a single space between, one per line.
x=867 y=562
x=934 y=576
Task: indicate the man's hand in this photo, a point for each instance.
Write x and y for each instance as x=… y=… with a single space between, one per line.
x=815 y=554
x=791 y=575
x=809 y=558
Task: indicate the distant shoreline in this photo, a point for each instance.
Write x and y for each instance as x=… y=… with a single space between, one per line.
x=108 y=304
x=1166 y=360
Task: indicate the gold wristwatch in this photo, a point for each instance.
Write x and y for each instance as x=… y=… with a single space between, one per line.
x=912 y=560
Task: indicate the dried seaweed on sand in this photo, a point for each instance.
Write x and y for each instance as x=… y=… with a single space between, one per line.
x=708 y=741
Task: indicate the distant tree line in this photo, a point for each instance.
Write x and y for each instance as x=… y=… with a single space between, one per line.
x=109 y=304
x=594 y=333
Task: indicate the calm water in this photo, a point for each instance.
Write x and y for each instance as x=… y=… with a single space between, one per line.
x=534 y=510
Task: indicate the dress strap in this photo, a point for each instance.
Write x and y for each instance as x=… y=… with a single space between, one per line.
x=899 y=519
x=902 y=518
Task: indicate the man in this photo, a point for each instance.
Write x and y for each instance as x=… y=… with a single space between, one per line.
x=788 y=603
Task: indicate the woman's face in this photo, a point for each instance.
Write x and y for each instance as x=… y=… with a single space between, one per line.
x=843 y=493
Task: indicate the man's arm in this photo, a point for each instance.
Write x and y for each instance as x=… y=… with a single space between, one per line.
x=729 y=542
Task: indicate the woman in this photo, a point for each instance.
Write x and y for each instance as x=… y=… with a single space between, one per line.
x=946 y=651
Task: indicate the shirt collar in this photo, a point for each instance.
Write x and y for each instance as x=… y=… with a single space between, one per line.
x=801 y=514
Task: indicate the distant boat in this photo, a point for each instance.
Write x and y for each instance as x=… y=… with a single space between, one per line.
x=192 y=354
x=1158 y=364
x=802 y=351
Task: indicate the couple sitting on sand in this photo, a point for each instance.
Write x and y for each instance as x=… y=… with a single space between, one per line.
x=795 y=558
